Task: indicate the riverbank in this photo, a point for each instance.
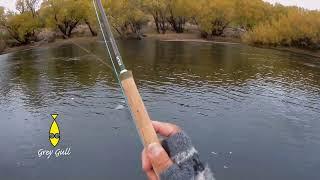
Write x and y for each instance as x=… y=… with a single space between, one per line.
x=169 y=37
x=192 y=37
x=185 y=37
x=57 y=42
x=315 y=53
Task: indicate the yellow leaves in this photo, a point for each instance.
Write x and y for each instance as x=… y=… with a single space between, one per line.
x=214 y=14
x=57 y=12
x=297 y=27
x=249 y=13
x=124 y=14
x=22 y=26
x=266 y=23
x=180 y=8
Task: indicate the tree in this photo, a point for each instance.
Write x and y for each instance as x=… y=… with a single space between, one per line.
x=126 y=16
x=158 y=9
x=89 y=16
x=64 y=15
x=32 y=6
x=115 y=9
x=135 y=17
x=249 y=13
x=178 y=13
x=214 y=16
x=27 y=6
x=21 y=27
x=21 y=6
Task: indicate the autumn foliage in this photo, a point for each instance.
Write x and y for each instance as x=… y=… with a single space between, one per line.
x=264 y=23
x=297 y=27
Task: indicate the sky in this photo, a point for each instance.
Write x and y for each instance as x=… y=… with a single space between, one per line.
x=8 y=4
x=309 y=4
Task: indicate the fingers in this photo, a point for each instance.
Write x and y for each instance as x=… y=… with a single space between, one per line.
x=158 y=158
x=147 y=166
x=165 y=129
x=155 y=159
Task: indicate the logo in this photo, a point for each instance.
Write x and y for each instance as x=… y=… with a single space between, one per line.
x=54 y=132
x=54 y=139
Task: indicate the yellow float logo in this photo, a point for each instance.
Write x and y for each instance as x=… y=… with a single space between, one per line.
x=54 y=132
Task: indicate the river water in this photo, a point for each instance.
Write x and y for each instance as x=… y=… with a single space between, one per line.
x=251 y=113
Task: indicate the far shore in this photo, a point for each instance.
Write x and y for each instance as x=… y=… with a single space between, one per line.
x=169 y=37
x=192 y=37
x=57 y=42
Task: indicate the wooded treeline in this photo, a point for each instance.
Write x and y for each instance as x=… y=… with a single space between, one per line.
x=264 y=23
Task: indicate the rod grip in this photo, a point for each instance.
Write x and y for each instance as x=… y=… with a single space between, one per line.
x=139 y=112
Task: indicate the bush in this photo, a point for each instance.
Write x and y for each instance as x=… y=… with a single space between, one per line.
x=22 y=27
x=298 y=28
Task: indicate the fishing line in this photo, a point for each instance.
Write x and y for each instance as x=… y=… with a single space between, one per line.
x=102 y=61
x=89 y=52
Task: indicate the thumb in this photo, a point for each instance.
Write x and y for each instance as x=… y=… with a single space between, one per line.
x=158 y=157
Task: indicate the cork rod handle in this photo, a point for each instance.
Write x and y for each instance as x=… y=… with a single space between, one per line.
x=139 y=112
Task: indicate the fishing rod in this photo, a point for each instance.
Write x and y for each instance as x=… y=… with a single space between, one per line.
x=126 y=81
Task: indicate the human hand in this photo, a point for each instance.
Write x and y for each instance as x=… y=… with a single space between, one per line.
x=155 y=154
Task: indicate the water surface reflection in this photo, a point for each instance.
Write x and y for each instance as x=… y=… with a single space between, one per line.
x=261 y=105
